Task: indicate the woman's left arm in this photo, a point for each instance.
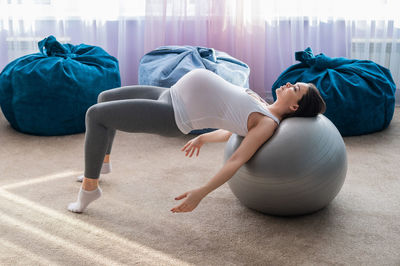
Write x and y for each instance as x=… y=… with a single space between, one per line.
x=256 y=137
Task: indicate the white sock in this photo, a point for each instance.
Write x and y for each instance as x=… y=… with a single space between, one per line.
x=84 y=199
x=105 y=169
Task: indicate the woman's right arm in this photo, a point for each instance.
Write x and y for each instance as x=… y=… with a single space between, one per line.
x=220 y=135
x=192 y=145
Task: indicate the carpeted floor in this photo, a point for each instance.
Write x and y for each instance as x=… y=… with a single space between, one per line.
x=132 y=225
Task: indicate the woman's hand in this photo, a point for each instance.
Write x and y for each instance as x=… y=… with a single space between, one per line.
x=192 y=145
x=193 y=199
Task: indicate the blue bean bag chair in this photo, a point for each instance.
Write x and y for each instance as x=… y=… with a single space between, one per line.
x=48 y=93
x=359 y=94
x=167 y=64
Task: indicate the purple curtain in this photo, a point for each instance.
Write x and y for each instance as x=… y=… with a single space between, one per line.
x=239 y=28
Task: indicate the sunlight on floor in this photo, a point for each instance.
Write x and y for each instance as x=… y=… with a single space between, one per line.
x=37 y=219
x=41 y=179
x=80 y=250
x=37 y=260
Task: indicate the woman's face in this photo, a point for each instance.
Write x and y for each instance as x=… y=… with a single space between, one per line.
x=290 y=94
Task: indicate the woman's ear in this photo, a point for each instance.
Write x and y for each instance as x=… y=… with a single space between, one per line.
x=294 y=107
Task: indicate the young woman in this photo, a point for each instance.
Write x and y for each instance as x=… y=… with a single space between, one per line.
x=200 y=99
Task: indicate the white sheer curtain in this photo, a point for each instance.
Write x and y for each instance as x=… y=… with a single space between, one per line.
x=263 y=34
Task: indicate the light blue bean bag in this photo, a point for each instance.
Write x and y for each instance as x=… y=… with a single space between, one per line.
x=167 y=64
x=48 y=93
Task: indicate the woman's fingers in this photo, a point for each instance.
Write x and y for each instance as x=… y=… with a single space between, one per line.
x=188 y=150
x=193 y=150
x=181 y=208
x=193 y=199
x=181 y=196
x=184 y=147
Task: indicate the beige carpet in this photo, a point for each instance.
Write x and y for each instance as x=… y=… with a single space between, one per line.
x=132 y=225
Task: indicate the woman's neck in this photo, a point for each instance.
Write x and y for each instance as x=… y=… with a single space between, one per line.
x=277 y=110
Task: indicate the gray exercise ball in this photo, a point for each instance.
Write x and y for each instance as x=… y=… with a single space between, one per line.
x=299 y=170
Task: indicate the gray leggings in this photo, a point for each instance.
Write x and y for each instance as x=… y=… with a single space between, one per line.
x=141 y=109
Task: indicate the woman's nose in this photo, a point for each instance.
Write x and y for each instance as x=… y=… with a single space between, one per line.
x=288 y=84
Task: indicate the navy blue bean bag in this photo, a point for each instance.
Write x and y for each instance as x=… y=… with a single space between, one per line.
x=359 y=94
x=48 y=93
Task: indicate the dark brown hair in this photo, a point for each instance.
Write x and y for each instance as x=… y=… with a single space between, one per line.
x=311 y=104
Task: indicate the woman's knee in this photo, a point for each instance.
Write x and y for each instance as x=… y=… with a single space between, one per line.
x=103 y=97
x=92 y=112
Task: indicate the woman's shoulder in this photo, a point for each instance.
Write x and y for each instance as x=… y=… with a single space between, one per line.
x=269 y=121
x=264 y=129
x=261 y=120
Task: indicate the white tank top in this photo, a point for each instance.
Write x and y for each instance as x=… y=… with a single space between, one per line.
x=202 y=99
